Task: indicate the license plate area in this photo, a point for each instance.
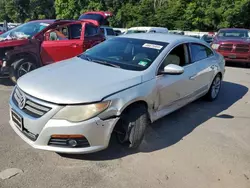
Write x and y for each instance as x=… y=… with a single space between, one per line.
x=17 y=119
x=232 y=56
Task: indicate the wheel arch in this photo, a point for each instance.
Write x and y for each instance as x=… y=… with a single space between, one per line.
x=129 y=106
x=18 y=56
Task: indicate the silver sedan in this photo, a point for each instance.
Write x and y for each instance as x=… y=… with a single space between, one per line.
x=119 y=86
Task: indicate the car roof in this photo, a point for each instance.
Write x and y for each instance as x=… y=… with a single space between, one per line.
x=160 y=37
x=51 y=21
x=146 y=28
x=45 y=21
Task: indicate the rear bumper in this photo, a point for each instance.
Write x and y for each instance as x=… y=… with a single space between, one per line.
x=236 y=57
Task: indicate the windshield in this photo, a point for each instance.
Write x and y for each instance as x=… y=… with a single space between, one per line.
x=136 y=31
x=125 y=53
x=26 y=30
x=234 y=33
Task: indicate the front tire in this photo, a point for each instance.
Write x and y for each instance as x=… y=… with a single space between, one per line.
x=214 y=88
x=131 y=127
x=21 y=67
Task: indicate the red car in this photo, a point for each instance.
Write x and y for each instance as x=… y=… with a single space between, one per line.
x=42 y=42
x=233 y=44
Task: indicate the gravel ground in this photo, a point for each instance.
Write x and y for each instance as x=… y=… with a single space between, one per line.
x=203 y=145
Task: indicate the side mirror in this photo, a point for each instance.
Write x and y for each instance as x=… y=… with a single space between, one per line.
x=173 y=69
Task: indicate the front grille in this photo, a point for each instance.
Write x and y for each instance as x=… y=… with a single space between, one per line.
x=63 y=142
x=30 y=107
x=226 y=47
x=242 y=48
x=30 y=135
x=16 y=119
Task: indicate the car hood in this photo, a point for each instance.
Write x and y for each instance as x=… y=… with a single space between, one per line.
x=75 y=81
x=233 y=40
x=13 y=42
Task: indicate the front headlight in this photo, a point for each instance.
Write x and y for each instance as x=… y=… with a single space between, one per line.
x=77 y=113
x=215 y=46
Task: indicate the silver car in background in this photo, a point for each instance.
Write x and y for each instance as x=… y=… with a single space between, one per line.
x=119 y=86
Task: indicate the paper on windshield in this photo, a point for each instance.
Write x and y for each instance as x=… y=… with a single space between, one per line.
x=153 y=46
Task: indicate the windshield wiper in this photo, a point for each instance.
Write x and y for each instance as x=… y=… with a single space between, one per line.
x=98 y=61
x=86 y=57
x=105 y=63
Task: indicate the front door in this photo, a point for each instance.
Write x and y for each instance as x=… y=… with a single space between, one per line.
x=175 y=90
x=62 y=43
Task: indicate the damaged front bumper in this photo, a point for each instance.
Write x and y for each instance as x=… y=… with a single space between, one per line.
x=4 y=69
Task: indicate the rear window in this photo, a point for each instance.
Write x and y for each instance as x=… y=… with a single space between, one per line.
x=96 y=17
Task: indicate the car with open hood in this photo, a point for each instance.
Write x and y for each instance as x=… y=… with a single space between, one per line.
x=233 y=44
x=117 y=87
x=42 y=42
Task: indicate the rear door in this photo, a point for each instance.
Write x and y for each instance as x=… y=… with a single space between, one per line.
x=92 y=36
x=205 y=62
x=62 y=43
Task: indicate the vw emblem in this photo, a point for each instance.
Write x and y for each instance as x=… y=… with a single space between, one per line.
x=21 y=101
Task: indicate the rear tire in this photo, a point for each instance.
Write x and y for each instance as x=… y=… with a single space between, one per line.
x=20 y=67
x=131 y=127
x=214 y=88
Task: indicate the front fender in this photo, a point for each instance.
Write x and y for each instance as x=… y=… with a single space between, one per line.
x=120 y=101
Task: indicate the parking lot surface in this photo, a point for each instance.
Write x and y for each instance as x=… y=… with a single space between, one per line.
x=202 y=145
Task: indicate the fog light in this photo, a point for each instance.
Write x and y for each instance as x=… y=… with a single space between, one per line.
x=72 y=143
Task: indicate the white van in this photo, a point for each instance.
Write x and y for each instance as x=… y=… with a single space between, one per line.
x=147 y=30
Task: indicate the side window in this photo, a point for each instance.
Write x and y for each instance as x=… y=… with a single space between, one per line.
x=199 y=52
x=102 y=30
x=75 y=31
x=110 y=31
x=60 y=33
x=209 y=52
x=91 y=30
x=178 y=56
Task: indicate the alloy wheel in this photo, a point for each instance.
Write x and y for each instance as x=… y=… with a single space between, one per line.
x=25 y=68
x=216 y=87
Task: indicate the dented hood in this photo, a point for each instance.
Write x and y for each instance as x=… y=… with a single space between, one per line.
x=75 y=81
x=13 y=42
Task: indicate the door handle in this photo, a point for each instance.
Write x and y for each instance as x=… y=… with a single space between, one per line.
x=193 y=77
x=74 y=45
